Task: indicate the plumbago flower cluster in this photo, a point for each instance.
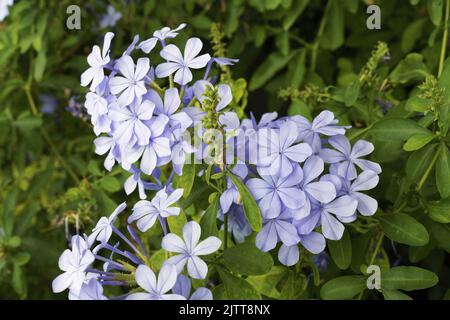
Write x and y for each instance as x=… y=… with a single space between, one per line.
x=305 y=177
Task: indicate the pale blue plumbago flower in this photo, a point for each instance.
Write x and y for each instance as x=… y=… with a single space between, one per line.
x=161 y=35
x=189 y=248
x=328 y=215
x=275 y=193
x=108 y=145
x=183 y=288
x=110 y=18
x=48 y=103
x=130 y=123
x=225 y=61
x=177 y=120
x=180 y=150
x=324 y=124
x=90 y=290
x=237 y=222
x=74 y=264
x=181 y=64
x=223 y=90
x=266 y=119
x=229 y=196
x=4 y=8
x=277 y=151
x=104 y=228
x=321 y=261
x=97 y=61
x=313 y=242
x=277 y=229
x=131 y=84
x=146 y=212
x=97 y=108
x=367 y=180
x=134 y=181
x=156 y=289
x=322 y=191
x=156 y=151
x=302 y=200
x=344 y=158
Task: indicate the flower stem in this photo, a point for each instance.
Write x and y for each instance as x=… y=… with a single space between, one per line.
x=46 y=136
x=444 y=39
x=374 y=256
x=428 y=171
x=225 y=231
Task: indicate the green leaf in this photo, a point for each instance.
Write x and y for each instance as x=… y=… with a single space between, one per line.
x=443 y=171
x=416 y=254
x=333 y=35
x=441 y=233
x=247 y=259
x=417 y=104
x=251 y=209
x=186 y=180
x=40 y=64
x=18 y=280
x=27 y=122
x=419 y=162
x=341 y=251
x=21 y=258
x=412 y=33
x=208 y=222
x=266 y=284
x=282 y=42
x=418 y=141
x=395 y=295
x=292 y=15
x=396 y=129
x=352 y=93
x=299 y=107
x=403 y=228
x=293 y=286
x=444 y=80
x=297 y=70
x=439 y=211
x=236 y=287
x=345 y=287
x=360 y=247
x=158 y=259
x=409 y=69
x=176 y=223
x=435 y=10
x=110 y=184
x=274 y=63
x=408 y=279
x=94 y=168
x=272 y=4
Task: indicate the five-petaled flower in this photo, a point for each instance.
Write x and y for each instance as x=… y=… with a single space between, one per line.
x=156 y=289
x=181 y=64
x=97 y=61
x=74 y=264
x=145 y=212
x=189 y=248
x=131 y=85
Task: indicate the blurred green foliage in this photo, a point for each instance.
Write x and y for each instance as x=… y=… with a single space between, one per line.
x=299 y=57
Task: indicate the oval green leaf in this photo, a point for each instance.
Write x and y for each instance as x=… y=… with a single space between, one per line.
x=345 y=287
x=403 y=228
x=408 y=279
x=251 y=209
